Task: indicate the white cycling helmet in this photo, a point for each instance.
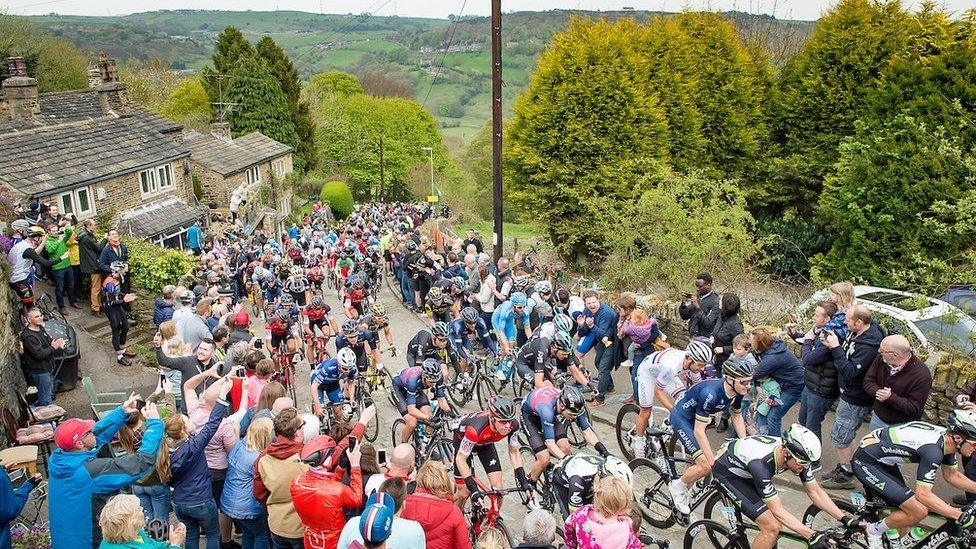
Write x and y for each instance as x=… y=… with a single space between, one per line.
x=346 y=358
x=699 y=352
x=311 y=427
x=615 y=467
x=802 y=443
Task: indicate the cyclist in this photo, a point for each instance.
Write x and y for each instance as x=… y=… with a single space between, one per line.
x=663 y=375
x=357 y=339
x=282 y=330
x=375 y=321
x=355 y=298
x=410 y=389
x=545 y=414
x=694 y=412
x=297 y=286
x=434 y=343
x=503 y=321
x=333 y=379
x=559 y=323
x=319 y=321
x=477 y=433
x=542 y=357
x=440 y=306
x=745 y=468
x=876 y=464
x=573 y=479
x=540 y=303
x=343 y=266
x=465 y=330
x=287 y=304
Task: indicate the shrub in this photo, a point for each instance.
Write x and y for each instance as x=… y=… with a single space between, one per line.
x=339 y=197
x=789 y=244
x=152 y=267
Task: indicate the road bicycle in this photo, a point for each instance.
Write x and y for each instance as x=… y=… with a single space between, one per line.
x=659 y=435
x=651 y=480
x=432 y=440
x=476 y=382
x=485 y=512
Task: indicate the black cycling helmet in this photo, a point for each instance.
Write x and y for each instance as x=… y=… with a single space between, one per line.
x=287 y=300
x=562 y=342
x=350 y=328
x=411 y=245
x=469 y=315
x=281 y=314
x=431 y=369
x=572 y=400
x=737 y=367
x=502 y=407
x=317 y=301
x=440 y=329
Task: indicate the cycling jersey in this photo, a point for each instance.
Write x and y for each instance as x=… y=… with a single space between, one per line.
x=328 y=377
x=374 y=325
x=362 y=360
x=462 y=336
x=877 y=461
x=745 y=469
x=573 y=479
x=409 y=389
x=543 y=421
x=534 y=357
x=422 y=347
x=698 y=404
x=546 y=330
x=503 y=320
x=474 y=435
x=663 y=370
x=295 y=285
x=315 y=314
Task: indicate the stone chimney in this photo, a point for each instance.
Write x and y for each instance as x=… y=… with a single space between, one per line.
x=221 y=130
x=20 y=92
x=111 y=93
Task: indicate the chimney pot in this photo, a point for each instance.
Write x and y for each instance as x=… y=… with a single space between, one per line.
x=221 y=130
x=20 y=93
x=106 y=68
x=16 y=66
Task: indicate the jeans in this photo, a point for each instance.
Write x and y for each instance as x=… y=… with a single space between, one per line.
x=45 y=387
x=78 y=280
x=64 y=285
x=876 y=422
x=604 y=365
x=405 y=288
x=813 y=410
x=636 y=357
x=154 y=501
x=199 y=518
x=254 y=532
x=774 y=421
x=279 y=542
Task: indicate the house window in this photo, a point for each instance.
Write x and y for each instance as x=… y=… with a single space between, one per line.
x=278 y=167
x=77 y=202
x=156 y=179
x=253 y=175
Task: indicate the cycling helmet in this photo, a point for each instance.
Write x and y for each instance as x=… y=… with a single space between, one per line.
x=962 y=422
x=803 y=443
x=431 y=369
x=435 y=294
x=562 y=342
x=350 y=328
x=281 y=314
x=521 y=282
x=440 y=329
x=318 y=450
x=297 y=271
x=615 y=467
x=411 y=245
x=186 y=297
x=20 y=225
x=737 y=367
x=287 y=300
x=469 y=315
x=502 y=407
x=563 y=323
x=358 y=284
x=35 y=232
x=519 y=299
x=317 y=301
x=572 y=400
x=378 y=309
x=543 y=287
x=118 y=266
x=699 y=352
x=346 y=358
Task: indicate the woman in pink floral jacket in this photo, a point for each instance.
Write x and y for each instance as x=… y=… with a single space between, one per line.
x=606 y=523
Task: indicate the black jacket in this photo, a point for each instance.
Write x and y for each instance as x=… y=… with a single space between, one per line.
x=38 y=357
x=852 y=360
x=724 y=331
x=477 y=244
x=88 y=249
x=701 y=319
x=187 y=365
x=819 y=372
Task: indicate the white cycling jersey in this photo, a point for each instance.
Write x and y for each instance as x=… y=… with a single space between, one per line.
x=663 y=370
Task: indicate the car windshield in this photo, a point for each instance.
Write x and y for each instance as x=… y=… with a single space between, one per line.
x=951 y=331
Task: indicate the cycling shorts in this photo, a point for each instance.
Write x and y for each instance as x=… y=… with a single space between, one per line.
x=487 y=455
x=880 y=480
x=276 y=341
x=319 y=323
x=685 y=431
x=533 y=431
x=740 y=490
x=400 y=395
x=647 y=381
x=299 y=298
x=334 y=393
x=271 y=294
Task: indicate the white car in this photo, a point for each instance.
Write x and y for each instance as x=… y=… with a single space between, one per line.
x=931 y=323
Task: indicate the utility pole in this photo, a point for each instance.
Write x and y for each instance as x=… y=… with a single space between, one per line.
x=496 y=125
x=382 y=166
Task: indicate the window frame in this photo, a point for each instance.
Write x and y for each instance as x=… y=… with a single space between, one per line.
x=155 y=180
x=73 y=205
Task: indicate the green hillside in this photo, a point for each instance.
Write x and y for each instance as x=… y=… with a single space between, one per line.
x=447 y=64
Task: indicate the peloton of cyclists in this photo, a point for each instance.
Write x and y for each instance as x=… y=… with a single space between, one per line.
x=410 y=392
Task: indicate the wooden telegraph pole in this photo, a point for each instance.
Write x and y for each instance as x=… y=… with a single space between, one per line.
x=382 y=175
x=496 y=124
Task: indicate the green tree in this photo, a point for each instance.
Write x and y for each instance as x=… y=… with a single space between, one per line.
x=55 y=62
x=260 y=105
x=232 y=47
x=188 y=104
x=286 y=74
x=334 y=83
x=338 y=196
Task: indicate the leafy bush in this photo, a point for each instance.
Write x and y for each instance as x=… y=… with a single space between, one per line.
x=152 y=267
x=789 y=243
x=339 y=197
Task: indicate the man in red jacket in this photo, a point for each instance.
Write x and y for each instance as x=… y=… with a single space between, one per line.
x=320 y=496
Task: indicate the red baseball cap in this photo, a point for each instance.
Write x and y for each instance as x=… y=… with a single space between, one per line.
x=241 y=319
x=70 y=431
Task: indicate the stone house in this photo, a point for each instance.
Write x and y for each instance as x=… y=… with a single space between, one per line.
x=95 y=153
x=232 y=171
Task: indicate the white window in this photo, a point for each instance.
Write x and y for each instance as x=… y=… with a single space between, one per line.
x=156 y=179
x=253 y=175
x=78 y=202
x=278 y=167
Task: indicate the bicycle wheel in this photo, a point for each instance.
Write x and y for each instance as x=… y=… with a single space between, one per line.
x=397 y=428
x=485 y=387
x=459 y=389
x=652 y=494
x=819 y=520
x=575 y=434
x=708 y=534
x=373 y=427
x=626 y=418
x=506 y=534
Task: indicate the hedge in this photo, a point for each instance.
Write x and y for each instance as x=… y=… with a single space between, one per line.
x=339 y=197
x=152 y=267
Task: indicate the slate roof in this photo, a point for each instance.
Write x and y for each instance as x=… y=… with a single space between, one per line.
x=229 y=157
x=75 y=106
x=48 y=159
x=158 y=217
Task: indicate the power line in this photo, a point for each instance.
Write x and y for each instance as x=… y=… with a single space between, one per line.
x=450 y=42
x=349 y=27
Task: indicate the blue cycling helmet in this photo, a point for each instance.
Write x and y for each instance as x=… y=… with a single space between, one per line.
x=519 y=298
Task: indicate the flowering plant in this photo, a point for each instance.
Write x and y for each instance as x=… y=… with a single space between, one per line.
x=37 y=536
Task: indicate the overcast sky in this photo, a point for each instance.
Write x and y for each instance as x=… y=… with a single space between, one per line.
x=785 y=9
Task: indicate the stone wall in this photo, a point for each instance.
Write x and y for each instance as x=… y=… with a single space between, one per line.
x=217 y=188
x=11 y=375
x=123 y=193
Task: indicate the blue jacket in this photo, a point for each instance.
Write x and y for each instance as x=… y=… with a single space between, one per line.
x=604 y=325
x=194 y=237
x=11 y=504
x=162 y=311
x=782 y=365
x=237 y=500
x=503 y=320
x=80 y=482
x=191 y=476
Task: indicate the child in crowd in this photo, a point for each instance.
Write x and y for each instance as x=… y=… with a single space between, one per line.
x=262 y=376
x=768 y=397
x=741 y=350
